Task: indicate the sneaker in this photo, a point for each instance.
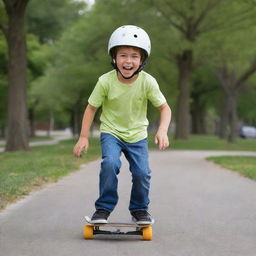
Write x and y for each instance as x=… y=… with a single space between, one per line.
x=100 y=216
x=142 y=217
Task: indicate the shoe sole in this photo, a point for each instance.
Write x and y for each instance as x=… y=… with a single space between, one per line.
x=101 y=221
x=98 y=221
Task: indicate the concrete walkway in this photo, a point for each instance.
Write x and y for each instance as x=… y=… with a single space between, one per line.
x=200 y=210
x=57 y=136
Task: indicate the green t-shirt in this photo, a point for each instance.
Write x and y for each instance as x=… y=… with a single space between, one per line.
x=124 y=106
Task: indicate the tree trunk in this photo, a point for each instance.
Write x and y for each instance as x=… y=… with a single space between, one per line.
x=223 y=125
x=50 y=126
x=184 y=63
x=229 y=83
x=198 y=114
x=232 y=117
x=32 y=127
x=17 y=134
x=76 y=119
x=2 y=131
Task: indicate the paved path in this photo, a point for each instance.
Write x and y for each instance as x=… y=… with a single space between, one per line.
x=57 y=136
x=200 y=210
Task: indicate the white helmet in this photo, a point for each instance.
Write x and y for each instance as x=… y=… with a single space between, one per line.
x=131 y=36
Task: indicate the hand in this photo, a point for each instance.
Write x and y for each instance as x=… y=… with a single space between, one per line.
x=81 y=145
x=161 y=138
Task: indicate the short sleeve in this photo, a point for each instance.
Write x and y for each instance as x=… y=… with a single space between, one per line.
x=97 y=96
x=155 y=96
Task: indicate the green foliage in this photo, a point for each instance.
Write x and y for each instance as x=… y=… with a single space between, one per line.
x=47 y=19
x=246 y=105
x=231 y=43
x=3 y=15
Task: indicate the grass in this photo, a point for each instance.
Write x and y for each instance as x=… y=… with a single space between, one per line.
x=22 y=172
x=208 y=142
x=36 y=138
x=40 y=138
x=245 y=165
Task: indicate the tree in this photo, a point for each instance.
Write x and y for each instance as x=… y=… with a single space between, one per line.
x=234 y=68
x=192 y=20
x=247 y=102
x=38 y=56
x=3 y=84
x=13 y=29
x=204 y=91
x=189 y=18
x=231 y=84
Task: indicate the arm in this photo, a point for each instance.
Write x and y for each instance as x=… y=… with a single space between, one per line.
x=83 y=142
x=161 y=137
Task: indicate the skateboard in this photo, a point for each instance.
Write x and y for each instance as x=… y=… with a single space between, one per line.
x=91 y=229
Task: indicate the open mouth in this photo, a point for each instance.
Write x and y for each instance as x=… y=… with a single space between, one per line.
x=128 y=68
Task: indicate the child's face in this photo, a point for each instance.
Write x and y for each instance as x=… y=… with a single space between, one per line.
x=128 y=60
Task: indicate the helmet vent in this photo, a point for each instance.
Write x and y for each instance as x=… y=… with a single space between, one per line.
x=135 y=36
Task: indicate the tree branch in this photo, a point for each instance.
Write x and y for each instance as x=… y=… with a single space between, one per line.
x=176 y=10
x=235 y=21
x=206 y=10
x=177 y=26
x=251 y=70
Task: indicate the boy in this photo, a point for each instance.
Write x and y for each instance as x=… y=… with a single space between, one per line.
x=123 y=94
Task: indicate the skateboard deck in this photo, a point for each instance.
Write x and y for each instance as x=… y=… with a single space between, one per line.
x=91 y=229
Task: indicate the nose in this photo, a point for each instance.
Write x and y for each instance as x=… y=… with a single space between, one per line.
x=128 y=59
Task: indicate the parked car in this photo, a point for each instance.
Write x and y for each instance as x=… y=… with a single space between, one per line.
x=247 y=132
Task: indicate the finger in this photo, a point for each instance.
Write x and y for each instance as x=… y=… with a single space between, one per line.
x=77 y=151
x=161 y=144
x=81 y=149
x=156 y=140
x=166 y=145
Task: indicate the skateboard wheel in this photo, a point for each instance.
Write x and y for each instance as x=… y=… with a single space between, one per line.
x=147 y=233
x=88 y=232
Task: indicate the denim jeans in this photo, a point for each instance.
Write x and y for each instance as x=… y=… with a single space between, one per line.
x=137 y=156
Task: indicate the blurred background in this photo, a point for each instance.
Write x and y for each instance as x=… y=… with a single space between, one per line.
x=203 y=57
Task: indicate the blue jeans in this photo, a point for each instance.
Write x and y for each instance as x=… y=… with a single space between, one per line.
x=137 y=156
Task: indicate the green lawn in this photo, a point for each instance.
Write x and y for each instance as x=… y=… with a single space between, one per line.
x=245 y=165
x=22 y=172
